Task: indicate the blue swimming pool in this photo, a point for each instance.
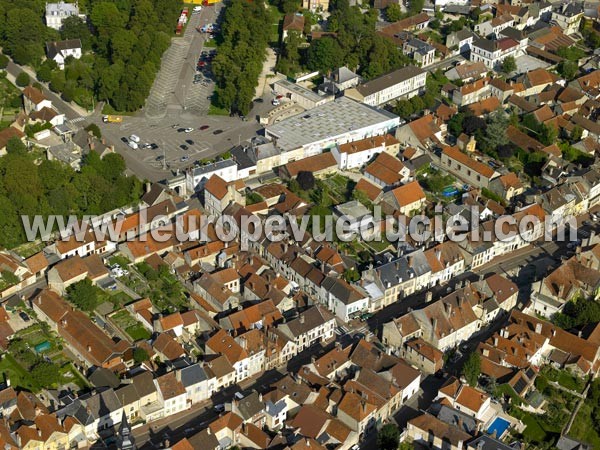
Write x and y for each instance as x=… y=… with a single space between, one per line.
x=499 y=425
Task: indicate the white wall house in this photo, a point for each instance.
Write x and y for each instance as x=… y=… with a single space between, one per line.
x=59 y=51
x=493 y=52
x=56 y=13
x=356 y=154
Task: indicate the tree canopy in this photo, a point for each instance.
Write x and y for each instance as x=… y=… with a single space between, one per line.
x=472 y=368
x=55 y=188
x=388 y=437
x=239 y=61
x=128 y=33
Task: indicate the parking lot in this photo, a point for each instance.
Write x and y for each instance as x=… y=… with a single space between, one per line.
x=164 y=132
x=176 y=101
x=174 y=86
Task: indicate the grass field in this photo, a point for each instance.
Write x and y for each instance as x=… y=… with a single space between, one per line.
x=584 y=428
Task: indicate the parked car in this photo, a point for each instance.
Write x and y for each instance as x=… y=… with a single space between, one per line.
x=159 y=158
x=124 y=140
x=189 y=142
x=153 y=146
x=238 y=395
x=204 y=127
x=185 y=158
x=133 y=145
x=147 y=145
x=180 y=130
x=219 y=408
x=217 y=132
x=275 y=102
x=188 y=129
x=135 y=138
x=184 y=147
x=23 y=315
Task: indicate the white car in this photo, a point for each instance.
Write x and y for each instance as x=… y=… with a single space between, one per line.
x=133 y=145
x=196 y=9
x=134 y=138
x=189 y=130
x=275 y=102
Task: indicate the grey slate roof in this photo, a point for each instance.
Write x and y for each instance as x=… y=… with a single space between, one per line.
x=53 y=48
x=313 y=317
x=192 y=375
x=453 y=417
x=487 y=443
x=102 y=377
x=250 y=405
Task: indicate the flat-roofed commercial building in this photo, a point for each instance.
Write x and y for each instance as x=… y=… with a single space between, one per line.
x=299 y=94
x=334 y=123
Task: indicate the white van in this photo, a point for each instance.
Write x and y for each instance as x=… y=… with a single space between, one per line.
x=134 y=138
x=133 y=145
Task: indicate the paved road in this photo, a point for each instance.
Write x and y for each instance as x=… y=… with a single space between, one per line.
x=71 y=113
x=152 y=435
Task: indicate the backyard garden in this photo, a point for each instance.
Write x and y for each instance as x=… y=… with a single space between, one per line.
x=132 y=327
x=160 y=286
x=35 y=361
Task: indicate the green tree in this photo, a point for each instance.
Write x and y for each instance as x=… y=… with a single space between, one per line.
x=576 y=133
x=306 y=180
x=351 y=275
x=23 y=79
x=404 y=108
x=472 y=368
x=455 y=124
x=83 y=294
x=140 y=355
x=46 y=374
x=428 y=100
x=417 y=104
x=572 y=53
x=393 y=13
x=74 y=27
x=3 y=61
x=94 y=129
x=16 y=146
x=567 y=69
x=509 y=64
x=388 y=437
x=415 y=7
x=325 y=54
x=495 y=134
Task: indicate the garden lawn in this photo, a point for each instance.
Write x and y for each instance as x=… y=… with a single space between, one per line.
x=584 y=428
x=131 y=326
x=564 y=378
x=19 y=377
x=70 y=375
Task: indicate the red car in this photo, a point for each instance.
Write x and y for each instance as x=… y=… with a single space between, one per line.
x=204 y=127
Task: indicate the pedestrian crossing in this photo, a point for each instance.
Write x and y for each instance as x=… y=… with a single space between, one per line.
x=76 y=120
x=341 y=330
x=364 y=330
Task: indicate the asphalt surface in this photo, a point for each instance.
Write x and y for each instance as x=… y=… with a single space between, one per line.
x=70 y=113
